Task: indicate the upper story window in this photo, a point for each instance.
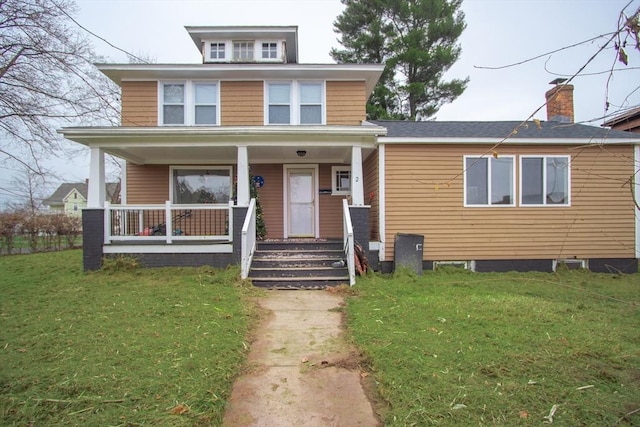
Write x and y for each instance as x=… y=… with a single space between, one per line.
x=243 y=51
x=544 y=180
x=217 y=51
x=489 y=181
x=294 y=103
x=173 y=104
x=206 y=96
x=189 y=103
x=279 y=103
x=269 y=50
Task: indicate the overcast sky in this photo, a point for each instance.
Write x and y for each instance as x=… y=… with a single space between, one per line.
x=499 y=33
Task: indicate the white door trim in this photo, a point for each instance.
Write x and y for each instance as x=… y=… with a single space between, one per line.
x=285 y=196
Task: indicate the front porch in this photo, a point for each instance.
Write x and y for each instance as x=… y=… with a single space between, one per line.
x=211 y=235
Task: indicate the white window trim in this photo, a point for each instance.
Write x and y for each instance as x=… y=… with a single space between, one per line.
x=207 y=51
x=253 y=56
x=294 y=101
x=544 y=204
x=189 y=101
x=489 y=205
x=200 y=167
x=278 y=57
x=161 y=85
x=334 y=180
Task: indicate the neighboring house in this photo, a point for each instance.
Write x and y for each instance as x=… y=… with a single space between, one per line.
x=71 y=197
x=493 y=196
x=628 y=121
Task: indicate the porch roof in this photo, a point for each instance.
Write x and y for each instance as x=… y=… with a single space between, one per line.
x=195 y=145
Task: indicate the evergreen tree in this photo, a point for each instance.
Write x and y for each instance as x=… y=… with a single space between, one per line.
x=416 y=40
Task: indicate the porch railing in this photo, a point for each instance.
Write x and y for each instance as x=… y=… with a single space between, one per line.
x=168 y=223
x=248 y=244
x=349 y=245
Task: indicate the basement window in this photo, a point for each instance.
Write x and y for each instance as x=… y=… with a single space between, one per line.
x=570 y=264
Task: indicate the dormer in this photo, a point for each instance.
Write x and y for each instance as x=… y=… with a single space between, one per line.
x=246 y=44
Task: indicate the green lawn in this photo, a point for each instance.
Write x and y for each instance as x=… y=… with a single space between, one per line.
x=454 y=348
x=117 y=347
x=127 y=346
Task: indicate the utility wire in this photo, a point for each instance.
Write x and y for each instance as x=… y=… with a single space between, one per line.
x=99 y=37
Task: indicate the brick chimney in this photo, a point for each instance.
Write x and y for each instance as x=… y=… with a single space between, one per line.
x=560 y=102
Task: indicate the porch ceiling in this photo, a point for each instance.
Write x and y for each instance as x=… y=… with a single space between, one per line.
x=228 y=154
x=199 y=145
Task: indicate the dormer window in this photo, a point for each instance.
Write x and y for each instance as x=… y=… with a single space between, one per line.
x=269 y=50
x=217 y=51
x=243 y=51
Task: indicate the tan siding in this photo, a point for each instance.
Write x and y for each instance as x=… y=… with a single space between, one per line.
x=242 y=103
x=346 y=102
x=147 y=184
x=330 y=207
x=424 y=195
x=271 y=198
x=139 y=103
x=371 y=194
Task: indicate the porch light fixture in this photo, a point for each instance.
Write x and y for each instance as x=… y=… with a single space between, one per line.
x=301 y=153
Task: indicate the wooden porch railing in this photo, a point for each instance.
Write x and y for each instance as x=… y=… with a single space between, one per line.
x=168 y=223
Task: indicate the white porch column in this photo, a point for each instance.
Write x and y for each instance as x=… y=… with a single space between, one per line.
x=96 y=190
x=357 y=184
x=243 y=195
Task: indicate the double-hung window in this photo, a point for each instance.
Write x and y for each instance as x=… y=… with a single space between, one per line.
x=191 y=185
x=189 y=103
x=279 y=103
x=294 y=103
x=206 y=96
x=173 y=100
x=544 y=180
x=243 y=51
x=310 y=103
x=489 y=181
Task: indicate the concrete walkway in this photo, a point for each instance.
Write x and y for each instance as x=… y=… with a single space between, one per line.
x=301 y=371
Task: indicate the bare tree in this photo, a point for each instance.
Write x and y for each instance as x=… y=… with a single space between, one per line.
x=47 y=79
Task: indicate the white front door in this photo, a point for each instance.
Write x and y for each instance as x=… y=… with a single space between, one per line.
x=301 y=202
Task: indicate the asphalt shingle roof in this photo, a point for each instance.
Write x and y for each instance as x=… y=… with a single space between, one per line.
x=555 y=130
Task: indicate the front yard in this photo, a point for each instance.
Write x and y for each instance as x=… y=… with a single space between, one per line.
x=127 y=346
x=117 y=347
x=454 y=348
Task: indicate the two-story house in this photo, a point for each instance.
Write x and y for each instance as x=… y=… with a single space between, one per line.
x=488 y=195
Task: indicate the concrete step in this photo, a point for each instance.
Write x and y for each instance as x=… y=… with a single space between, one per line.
x=298 y=272
x=300 y=283
x=298 y=264
x=295 y=262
